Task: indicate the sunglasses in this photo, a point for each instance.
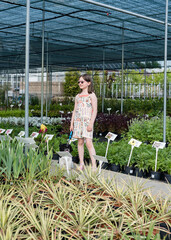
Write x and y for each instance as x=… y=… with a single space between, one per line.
x=80 y=82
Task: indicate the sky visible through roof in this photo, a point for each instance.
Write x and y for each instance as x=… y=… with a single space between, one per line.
x=79 y=33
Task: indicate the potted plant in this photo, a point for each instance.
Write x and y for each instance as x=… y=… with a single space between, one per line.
x=165 y=163
x=117 y=155
x=143 y=155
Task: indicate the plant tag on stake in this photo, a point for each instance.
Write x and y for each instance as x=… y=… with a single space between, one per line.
x=47 y=138
x=8 y=131
x=157 y=145
x=34 y=135
x=2 y=130
x=110 y=137
x=134 y=143
x=21 y=134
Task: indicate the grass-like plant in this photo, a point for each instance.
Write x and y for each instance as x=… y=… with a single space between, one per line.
x=83 y=206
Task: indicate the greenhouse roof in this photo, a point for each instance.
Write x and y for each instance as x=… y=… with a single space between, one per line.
x=79 y=32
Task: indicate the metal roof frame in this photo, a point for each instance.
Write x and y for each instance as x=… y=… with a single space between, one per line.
x=78 y=34
x=77 y=31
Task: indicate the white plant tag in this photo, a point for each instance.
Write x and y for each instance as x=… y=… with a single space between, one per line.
x=8 y=131
x=64 y=154
x=135 y=143
x=159 y=145
x=34 y=134
x=100 y=158
x=111 y=136
x=48 y=137
x=2 y=130
x=21 y=134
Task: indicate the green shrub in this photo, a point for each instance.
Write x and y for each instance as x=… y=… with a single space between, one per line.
x=149 y=130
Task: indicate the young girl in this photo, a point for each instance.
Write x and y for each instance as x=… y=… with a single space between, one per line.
x=83 y=117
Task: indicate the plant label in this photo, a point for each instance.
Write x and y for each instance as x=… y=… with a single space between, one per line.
x=64 y=154
x=21 y=134
x=111 y=136
x=2 y=130
x=48 y=137
x=100 y=158
x=34 y=135
x=135 y=143
x=8 y=131
x=159 y=145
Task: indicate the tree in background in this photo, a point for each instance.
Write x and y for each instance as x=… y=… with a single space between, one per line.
x=148 y=64
x=71 y=87
x=96 y=81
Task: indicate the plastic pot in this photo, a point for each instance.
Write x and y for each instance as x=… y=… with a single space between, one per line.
x=115 y=167
x=139 y=173
x=129 y=170
x=167 y=178
x=155 y=175
x=105 y=165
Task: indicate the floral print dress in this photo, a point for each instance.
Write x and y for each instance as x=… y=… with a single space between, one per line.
x=82 y=117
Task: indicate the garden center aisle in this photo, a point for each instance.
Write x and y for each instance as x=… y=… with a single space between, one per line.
x=157 y=188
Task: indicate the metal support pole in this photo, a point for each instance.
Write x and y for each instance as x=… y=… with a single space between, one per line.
x=42 y=76
x=122 y=67
x=27 y=69
x=47 y=77
x=165 y=72
x=145 y=81
x=93 y=73
x=103 y=81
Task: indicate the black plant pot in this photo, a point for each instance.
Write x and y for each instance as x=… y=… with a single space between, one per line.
x=167 y=178
x=164 y=235
x=155 y=175
x=55 y=156
x=75 y=160
x=129 y=170
x=139 y=173
x=114 y=167
x=105 y=165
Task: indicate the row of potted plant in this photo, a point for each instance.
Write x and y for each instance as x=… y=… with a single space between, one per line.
x=57 y=207
x=142 y=161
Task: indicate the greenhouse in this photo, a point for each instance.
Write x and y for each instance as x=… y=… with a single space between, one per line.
x=124 y=48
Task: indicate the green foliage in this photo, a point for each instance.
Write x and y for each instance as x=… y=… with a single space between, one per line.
x=71 y=87
x=148 y=64
x=14 y=163
x=140 y=107
x=12 y=113
x=149 y=130
x=34 y=100
x=118 y=152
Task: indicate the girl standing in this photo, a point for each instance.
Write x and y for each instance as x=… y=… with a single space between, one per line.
x=83 y=117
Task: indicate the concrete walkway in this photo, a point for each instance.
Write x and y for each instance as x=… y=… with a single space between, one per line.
x=157 y=188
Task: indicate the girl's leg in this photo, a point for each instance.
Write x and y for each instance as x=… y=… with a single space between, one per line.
x=90 y=147
x=81 y=151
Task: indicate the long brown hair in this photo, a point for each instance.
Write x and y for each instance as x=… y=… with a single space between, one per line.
x=87 y=78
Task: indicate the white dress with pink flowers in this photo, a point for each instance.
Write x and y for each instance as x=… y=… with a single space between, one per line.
x=82 y=117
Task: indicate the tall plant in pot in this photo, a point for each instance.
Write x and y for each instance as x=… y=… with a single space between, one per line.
x=164 y=161
x=118 y=155
x=141 y=159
